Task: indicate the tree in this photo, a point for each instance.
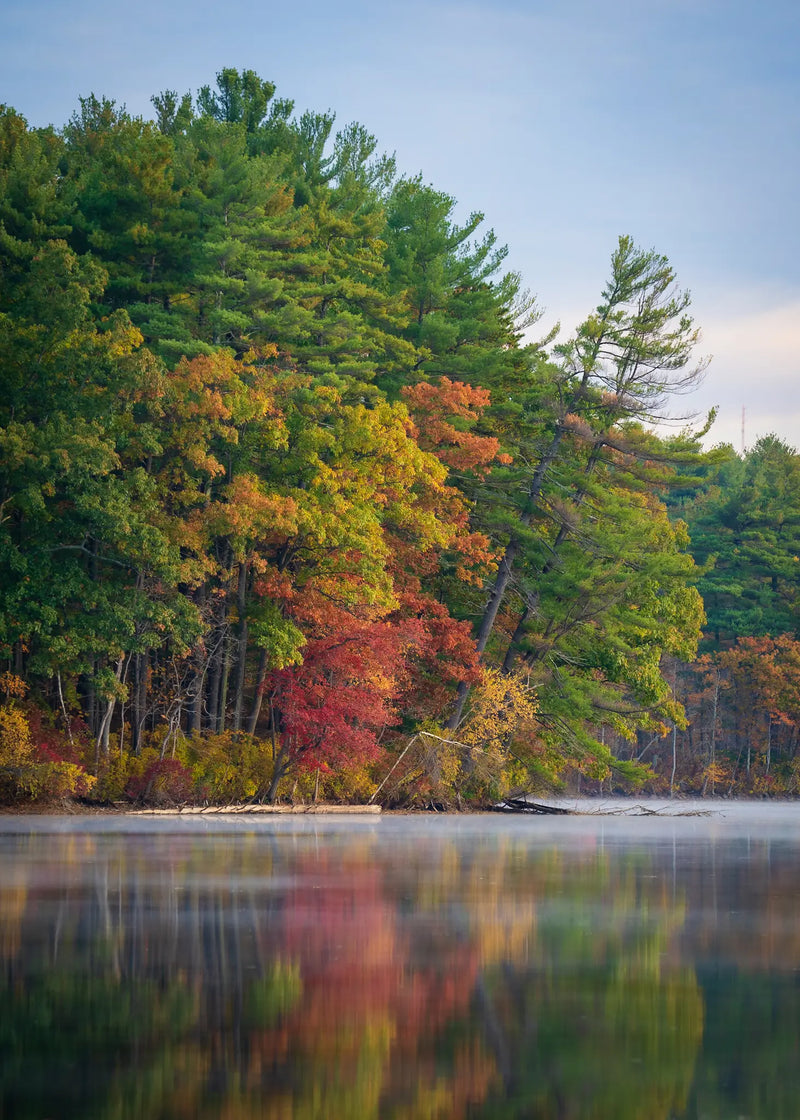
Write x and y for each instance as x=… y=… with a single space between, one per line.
x=127 y=211
x=332 y=708
x=464 y=318
x=620 y=368
x=239 y=99
x=745 y=527
x=347 y=323
x=89 y=574
x=236 y=288
x=34 y=205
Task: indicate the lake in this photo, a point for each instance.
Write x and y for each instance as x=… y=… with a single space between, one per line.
x=407 y=967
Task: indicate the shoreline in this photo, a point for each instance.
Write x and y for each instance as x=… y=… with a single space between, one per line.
x=571 y=806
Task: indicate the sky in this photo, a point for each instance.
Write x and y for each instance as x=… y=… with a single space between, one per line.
x=565 y=122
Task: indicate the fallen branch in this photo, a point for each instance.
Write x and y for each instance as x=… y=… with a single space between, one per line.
x=410 y=743
x=639 y=810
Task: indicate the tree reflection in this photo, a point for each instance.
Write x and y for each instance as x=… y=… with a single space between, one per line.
x=596 y=1022
x=295 y=976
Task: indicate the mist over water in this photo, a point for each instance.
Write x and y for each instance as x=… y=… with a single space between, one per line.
x=479 y=966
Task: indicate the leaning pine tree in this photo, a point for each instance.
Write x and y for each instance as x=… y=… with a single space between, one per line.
x=583 y=532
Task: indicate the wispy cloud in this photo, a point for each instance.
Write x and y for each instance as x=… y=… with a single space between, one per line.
x=755 y=366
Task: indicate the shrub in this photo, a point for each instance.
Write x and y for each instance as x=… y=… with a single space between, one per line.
x=29 y=770
x=160 y=781
x=228 y=767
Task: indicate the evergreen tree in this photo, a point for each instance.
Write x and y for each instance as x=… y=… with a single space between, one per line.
x=745 y=527
x=575 y=452
x=127 y=212
x=464 y=317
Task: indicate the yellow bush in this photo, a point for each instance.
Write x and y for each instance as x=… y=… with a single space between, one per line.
x=65 y=779
x=114 y=776
x=16 y=747
x=347 y=785
x=228 y=767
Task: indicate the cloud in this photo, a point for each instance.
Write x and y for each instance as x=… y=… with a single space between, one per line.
x=755 y=367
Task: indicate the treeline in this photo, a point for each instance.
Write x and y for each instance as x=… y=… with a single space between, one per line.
x=290 y=501
x=742 y=695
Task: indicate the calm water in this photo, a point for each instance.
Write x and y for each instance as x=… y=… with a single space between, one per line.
x=407 y=968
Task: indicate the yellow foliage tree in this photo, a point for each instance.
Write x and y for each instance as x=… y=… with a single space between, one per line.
x=17 y=765
x=503 y=713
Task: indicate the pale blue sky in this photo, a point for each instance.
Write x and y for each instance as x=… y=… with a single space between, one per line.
x=566 y=123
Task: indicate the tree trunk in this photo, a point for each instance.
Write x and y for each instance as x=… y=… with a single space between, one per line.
x=200 y=671
x=91 y=699
x=506 y=567
x=278 y=774
x=241 y=654
x=139 y=706
x=223 y=684
x=713 y=746
x=215 y=678
x=769 y=743
x=218 y=682
x=67 y=721
x=105 y=724
x=255 y=711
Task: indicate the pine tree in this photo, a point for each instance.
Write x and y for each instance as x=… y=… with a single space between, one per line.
x=575 y=454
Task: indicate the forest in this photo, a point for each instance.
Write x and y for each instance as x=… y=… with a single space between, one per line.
x=296 y=503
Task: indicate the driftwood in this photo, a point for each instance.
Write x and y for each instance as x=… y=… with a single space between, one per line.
x=639 y=810
x=250 y=809
x=520 y=805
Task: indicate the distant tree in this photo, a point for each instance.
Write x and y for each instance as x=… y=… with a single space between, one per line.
x=745 y=527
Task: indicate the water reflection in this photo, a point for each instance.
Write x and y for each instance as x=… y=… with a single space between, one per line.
x=399 y=970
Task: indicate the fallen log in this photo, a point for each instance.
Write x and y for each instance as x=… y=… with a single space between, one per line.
x=520 y=805
x=252 y=810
